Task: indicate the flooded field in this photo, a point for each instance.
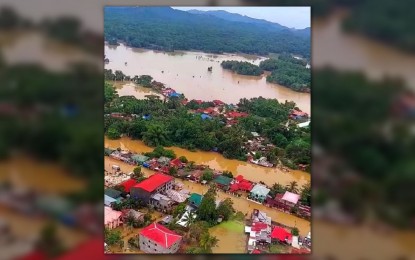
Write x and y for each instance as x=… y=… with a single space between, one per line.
x=217 y=161
x=227 y=232
x=186 y=72
x=240 y=203
x=42 y=177
x=131 y=89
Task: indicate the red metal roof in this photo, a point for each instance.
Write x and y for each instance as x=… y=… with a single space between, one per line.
x=199 y=101
x=128 y=184
x=258 y=226
x=256 y=251
x=281 y=234
x=161 y=235
x=153 y=182
x=176 y=162
x=234 y=187
x=237 y=114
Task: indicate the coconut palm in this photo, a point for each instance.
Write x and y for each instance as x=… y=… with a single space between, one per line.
x=292 y=187
x=189 y=218
x=207 y=242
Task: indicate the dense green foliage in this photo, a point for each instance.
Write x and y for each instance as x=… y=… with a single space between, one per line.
x=372 y=146
x=242 y=67
x=388 y=22
x=164 y=28
x=288 y=71
x=160 y=151
x=178 y=127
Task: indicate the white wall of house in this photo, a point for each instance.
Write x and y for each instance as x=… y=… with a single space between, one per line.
x=151 y=247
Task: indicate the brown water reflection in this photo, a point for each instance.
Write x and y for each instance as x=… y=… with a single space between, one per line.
x=42 y=177
x=31 y=47
x=331 y=46
x=188 y=74
x=217 y=161
x=240 y=204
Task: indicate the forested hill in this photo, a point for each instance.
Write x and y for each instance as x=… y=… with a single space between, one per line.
x=164 y=28
x=246 y=19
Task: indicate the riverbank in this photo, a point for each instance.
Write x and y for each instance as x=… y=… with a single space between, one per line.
x=217 y=161
x=173 y=70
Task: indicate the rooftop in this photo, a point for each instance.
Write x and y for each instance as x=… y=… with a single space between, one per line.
x=260 y=189
x=161 y=235
x=291 y=197
x=153 y=182
x=196 y=199
x=223 y=180
x=128 y=184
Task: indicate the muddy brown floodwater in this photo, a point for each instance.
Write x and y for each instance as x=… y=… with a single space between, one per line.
x=187 y=73
x=331 y=46
x=26 y=172
x=217 y=161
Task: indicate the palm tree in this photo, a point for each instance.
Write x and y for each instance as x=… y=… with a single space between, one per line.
x=155 y=135
x=190 y=218
x=207 y=242
x=292 y=187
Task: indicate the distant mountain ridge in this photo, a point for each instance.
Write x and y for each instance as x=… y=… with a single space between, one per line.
x=168 y=29
x=225 y=15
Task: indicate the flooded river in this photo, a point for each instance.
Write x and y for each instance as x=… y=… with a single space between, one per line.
x=42 y=177
x=31 y=47
x=331 y=46
x=187 y=73
x=217 y=161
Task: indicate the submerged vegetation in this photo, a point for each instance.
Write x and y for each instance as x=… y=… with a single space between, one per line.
x=242 y=67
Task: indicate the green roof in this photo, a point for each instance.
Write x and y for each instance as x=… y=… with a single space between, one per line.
x=222 y=180
x=140 y=158
x=196 y=199
x=115 y=194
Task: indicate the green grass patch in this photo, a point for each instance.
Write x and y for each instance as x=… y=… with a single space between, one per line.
x=232 y=225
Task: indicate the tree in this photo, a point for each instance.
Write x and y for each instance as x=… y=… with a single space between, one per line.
x=172 y=171
x=294 y=231
x=137 y=173
x=197 y=229
x=226 y=209
x=155 y=136
x=112 y=237
x=306 y=194
x=292 y=187
x=183 y=159
x=113 y=133
x=207 y=242
x=179 y=209
x=207 y=175
x=207 y=209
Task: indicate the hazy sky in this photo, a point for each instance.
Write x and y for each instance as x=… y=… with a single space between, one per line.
x=297 y=17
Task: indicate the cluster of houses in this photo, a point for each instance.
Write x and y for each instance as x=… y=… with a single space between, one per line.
x=237 y=186
x=262 y=232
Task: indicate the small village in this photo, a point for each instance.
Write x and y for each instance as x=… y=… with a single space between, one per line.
x=133 y=198
x=255 y=146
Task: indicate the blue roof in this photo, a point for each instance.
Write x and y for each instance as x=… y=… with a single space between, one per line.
x=146 y=117
x=108 y=200
x=174 y=94
x=204 y=116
